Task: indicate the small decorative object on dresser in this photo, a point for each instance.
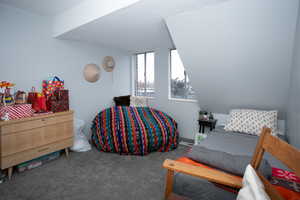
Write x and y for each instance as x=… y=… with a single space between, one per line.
x=25 y=139
x=20 y=97
x=8 y=99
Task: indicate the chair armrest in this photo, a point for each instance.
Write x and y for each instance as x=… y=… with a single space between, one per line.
x=205 y=173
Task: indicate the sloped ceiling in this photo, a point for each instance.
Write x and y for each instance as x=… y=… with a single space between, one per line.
x=139 y=27
x=130 y=25
x=238 y=53
x=42 y=7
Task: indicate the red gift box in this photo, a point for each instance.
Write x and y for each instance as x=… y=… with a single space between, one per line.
x=17 y=111
x=58 y=106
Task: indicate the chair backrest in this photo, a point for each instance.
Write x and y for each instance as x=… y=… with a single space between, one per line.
x=281 y=150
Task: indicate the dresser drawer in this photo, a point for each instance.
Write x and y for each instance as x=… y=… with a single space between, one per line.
x=35 y=122
x=22 y=126
x=57 y=120
x=14 y=159
x=29 y=139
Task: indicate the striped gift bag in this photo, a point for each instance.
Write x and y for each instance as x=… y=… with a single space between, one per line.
x=17 y=111
x=49 y=86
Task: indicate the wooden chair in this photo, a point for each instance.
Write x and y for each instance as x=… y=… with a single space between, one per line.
x=278 y=148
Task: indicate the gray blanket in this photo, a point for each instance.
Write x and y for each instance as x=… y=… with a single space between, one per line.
x=234 y=164
x=236 y=144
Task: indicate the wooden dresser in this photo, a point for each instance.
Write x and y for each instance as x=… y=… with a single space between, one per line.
x=28 y=138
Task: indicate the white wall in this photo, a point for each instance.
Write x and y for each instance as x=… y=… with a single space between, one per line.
x=185 y=113
x=238 y=53
x=29 y=54
x=293 y=114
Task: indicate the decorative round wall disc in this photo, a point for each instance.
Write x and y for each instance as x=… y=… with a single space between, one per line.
x=91 y=73
x=108 y=63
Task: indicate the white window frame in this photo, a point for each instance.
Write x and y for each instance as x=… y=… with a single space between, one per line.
x=170 y=86
x=134 y=73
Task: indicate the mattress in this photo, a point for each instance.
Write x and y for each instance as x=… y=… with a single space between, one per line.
x=236 y=144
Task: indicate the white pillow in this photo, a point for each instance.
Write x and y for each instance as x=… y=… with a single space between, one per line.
x=138 y=101
x=253 y=188
x=252 y=121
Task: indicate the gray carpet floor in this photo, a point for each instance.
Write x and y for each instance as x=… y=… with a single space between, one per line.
x=93 y=175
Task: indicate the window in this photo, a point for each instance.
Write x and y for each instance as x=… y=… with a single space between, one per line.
x=179 y=80
x=144 y=74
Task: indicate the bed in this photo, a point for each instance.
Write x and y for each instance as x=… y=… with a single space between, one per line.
x=236 y=144
x=134 y=130
x=228 y=151
x=195 y=184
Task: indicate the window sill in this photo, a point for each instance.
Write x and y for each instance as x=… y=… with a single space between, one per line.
x=184 y=100
x=145 y=97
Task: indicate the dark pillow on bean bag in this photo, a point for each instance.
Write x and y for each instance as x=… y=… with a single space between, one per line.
x=122 y=100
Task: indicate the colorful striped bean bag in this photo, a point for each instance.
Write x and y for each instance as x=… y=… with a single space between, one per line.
x=134 y=130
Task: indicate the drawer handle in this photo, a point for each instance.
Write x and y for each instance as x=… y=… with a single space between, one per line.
x=45 y=149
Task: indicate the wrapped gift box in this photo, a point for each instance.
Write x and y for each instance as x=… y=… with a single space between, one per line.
x=17 y=111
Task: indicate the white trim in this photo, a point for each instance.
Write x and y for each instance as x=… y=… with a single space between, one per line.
x=169 y=84
x=133 y=63
x=169 y=74
x=134 y=68
x=144 y=97
x=184 y=100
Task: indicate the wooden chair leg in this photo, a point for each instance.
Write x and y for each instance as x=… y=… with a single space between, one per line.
x=67 y=152
x=169 y=183
x=9 y=173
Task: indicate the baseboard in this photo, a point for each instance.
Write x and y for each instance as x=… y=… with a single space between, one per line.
x=186 y=141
